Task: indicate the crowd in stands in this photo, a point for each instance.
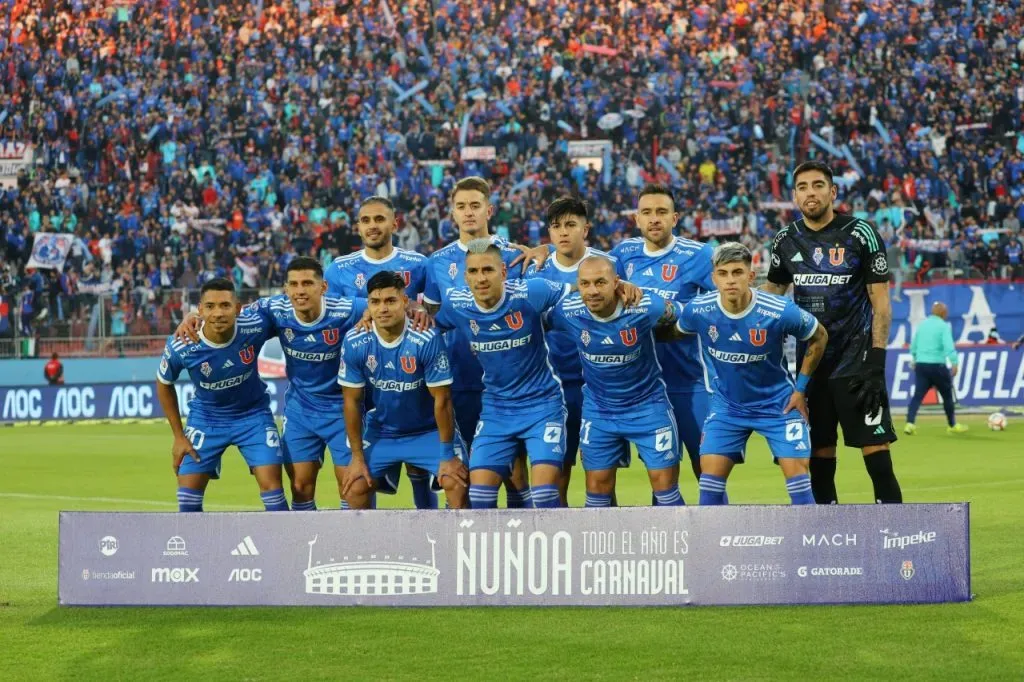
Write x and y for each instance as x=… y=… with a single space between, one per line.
x=179 y=140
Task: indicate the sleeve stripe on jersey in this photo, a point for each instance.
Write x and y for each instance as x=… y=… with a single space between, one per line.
x=774 y=304
x=422 y=336
x=865 y=231
x=427 y=299
x=349 y=384
x=574 y=304
x=163 y=381
x=443 y=382
x=813 y=329
x=710 y=297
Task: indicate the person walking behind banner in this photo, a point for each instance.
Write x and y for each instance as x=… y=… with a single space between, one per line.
x=930 y=348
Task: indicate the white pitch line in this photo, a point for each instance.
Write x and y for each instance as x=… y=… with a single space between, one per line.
x=107 y=500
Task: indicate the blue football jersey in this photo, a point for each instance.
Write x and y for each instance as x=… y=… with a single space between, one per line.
x=747 y=349
x=226 y=376
x=399 y=374
x=618 y=353
x=311 y=351
x=564 y=356
x=678 y=272
x=347 y=275
x=509 y=342
x=446 y=270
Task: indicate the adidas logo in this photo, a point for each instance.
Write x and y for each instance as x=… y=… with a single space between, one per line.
x=801 y=446
x=311 y=339
x=227 y=364
x=735 y=337
x=390 y=365
x=607 y=342
x=879 y=430
x=245 y=548
x=495 y=328
x=648 y=273
x=798 y=258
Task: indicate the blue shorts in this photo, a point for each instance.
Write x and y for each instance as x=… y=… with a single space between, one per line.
x=254 y=435
x=652 y=429
x=500 y=437
x=691 y=409
x=305 y=434
x=466 y=405
x=386 y=454
x=726 y=433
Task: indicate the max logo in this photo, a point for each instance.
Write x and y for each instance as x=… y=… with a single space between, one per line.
x=758 y=336
x=247 y=354
x=628 y=336
x=409 y=364
x=514 y=320
x=330 y=336
x=835 y=256
x=668 y=272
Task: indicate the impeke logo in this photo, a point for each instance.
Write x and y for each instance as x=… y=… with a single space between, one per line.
x=893 y=540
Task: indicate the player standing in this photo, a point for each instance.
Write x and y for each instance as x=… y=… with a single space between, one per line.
x=743 y=333
x=667 y=266
x=231 y=405
x=412 y=419
x=349 y=275
x=624 y=398
x=839 y=272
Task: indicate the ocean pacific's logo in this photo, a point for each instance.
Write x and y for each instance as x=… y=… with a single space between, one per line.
x=372 y=576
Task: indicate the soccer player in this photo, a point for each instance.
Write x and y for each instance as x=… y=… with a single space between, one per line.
x=839 y=272
x=743 y=333
x=624 y=398
x=667 y=266
x=310 y=326
x=446 y=270
x=412 y=419
x=348 y=275
x=231 y=405
x=568 y=226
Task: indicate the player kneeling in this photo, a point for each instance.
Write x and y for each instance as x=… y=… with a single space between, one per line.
x=412 y=419
x=743 y=333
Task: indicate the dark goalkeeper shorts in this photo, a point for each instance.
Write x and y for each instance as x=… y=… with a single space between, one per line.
x=831 y=403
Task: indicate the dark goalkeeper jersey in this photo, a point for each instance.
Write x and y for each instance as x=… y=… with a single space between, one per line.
x=830 y=270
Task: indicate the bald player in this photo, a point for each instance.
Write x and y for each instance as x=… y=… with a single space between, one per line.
x=930 y=350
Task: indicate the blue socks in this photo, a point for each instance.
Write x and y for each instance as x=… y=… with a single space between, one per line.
x=483 y=496
x=422 y=496
x=799 y=489
x=304 y=506
x=712 y=490
x=668 y=498
x=190 y=500
x=274 y=500
x=546 y=496
x=343 y=505
x=518 y=499
x=598 y=500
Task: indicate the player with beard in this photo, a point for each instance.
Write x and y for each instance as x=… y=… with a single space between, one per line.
x=839 y=272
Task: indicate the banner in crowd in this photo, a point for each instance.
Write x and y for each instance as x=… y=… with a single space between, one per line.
x=719 y=227
x=84 y=402
x=478 y=153
x=989 y=376
x=974 y=309
x=14 y=157
x=50 y=250
x=630 y=556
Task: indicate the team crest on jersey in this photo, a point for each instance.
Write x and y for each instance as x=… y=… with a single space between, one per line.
x=514 y=320
x=248 y=354
x=628 y=336
x=836 y=256
x=585 y=337
x=408 y=364
x=371 y=362
x=206 y=369
x=406 y=276
x=818 y=256
x=668 y=272
x=330 y=336
x=629 y=271
x=758 y=336
x=453 y=270
x=474 y=327
x=713 y=333
x=360 y=280
x=289 y=334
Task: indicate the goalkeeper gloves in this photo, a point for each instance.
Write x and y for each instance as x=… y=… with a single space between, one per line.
x=869 y=386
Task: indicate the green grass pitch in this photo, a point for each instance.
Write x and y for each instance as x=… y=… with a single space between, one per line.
x=127 y=468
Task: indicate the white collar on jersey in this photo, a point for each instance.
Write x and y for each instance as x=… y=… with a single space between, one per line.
x=659 y=252
x=398 y=340
x=211 y=344
x=497 y=305
x=567 y=268
x=741 y=315
x=465 y=248
x=319 y=318
x=613 y=316
x=376 y=261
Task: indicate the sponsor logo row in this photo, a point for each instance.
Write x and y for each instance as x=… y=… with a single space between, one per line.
x=890 y=540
